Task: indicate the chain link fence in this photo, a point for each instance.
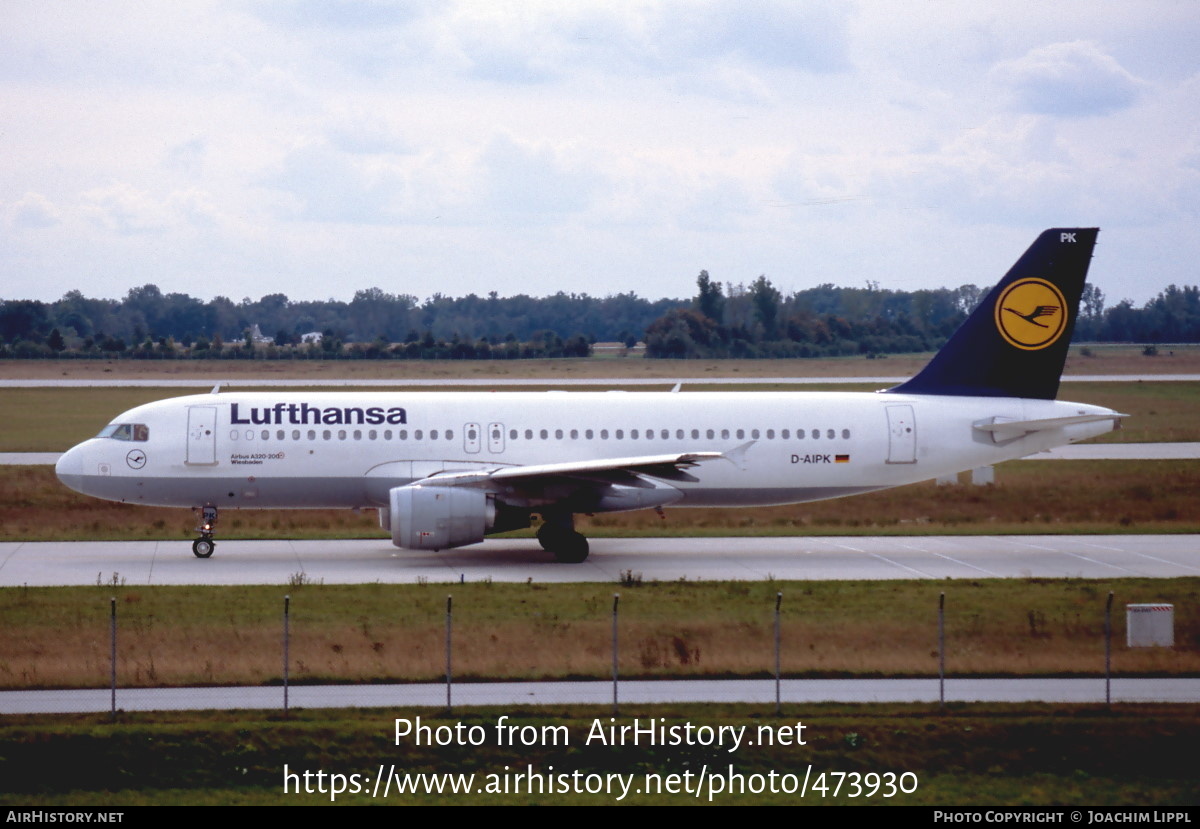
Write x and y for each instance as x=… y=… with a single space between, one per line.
x=462 y=655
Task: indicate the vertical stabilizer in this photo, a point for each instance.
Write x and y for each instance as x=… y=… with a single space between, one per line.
x=1015 y=343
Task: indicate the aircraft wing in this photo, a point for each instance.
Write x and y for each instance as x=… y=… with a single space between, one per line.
x=626 y=471
x=1005 y=429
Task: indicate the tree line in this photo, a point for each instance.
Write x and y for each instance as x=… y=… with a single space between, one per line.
x=757 y=320
x=721 y=320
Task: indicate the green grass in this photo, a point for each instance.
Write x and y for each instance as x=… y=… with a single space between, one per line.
x=171 y=636
x=979 y=755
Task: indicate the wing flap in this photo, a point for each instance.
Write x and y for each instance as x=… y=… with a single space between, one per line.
x=625 y=471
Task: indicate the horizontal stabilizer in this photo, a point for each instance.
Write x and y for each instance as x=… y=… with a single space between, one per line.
x=1007 y=429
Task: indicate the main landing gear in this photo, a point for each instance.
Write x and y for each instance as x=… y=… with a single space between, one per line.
x=557 y=535
x=203 y=546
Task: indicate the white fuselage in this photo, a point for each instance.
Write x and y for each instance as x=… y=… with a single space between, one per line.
x=348 y=449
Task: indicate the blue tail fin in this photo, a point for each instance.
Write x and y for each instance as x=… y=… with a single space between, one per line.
x=1015 y=343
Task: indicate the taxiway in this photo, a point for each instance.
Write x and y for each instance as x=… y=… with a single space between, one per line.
x=286 y=562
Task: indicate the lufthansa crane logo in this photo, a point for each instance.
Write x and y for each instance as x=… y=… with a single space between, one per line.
x=1031 y=314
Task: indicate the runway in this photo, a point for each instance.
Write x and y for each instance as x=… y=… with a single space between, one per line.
x=284 y=562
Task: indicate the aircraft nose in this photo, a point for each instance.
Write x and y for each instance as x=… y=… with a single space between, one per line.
x=69 y=468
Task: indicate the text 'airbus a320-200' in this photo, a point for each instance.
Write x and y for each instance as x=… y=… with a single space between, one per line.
x=446 y=469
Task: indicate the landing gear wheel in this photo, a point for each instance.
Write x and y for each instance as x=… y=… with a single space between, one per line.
x=573 y=549
x=568 y=546
x=203 y=547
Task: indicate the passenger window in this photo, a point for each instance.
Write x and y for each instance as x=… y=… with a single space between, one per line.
x=512 y=434
x=234 y=435
x=574 y=434
x=543 y=434
x=666 y=433
x=358 y=434
x=620 y=433
x=770 y=434
x=830 y=434
x=266 y=435
x=633 y=433
x=679 y=434
x=845 y=434
x=785 y=434
x=402 y=434
x=695 y=434
x=754 y=434
x=587 y=433
x=724 y=434
x=816 y=434
x=387 y=434
x=449 y=434
x=603 y=434
x=558 y=433
x=295 y=434
x=372 y=434
x=741 y=433
x=279 y=434
x=472 y=435
x=710 y=434
x=326 y=435
x=312 y=434
x=417 y=434
x=528 y=434
x=433 y=434
x=341 y=434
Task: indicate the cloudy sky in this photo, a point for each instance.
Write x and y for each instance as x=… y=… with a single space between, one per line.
x=316 y=147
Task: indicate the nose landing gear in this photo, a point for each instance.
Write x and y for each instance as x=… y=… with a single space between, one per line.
x=203 y=546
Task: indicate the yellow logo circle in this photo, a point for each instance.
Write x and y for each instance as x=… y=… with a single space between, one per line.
x=1031 y=314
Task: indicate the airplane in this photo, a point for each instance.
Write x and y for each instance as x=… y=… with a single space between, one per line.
x=447 y=469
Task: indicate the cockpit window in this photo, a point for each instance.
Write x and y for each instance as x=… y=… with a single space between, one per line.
x=126 y=431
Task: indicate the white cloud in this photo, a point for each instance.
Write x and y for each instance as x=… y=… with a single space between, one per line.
x=525 y=181
x=124 y=209
x=1069 y=79
x=33 y=211
x=331 y=186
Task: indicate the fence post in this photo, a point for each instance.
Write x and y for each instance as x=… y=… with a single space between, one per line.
x=1108 y=650
x=616 y=601
x=112 y=655
x=286 y=644
x=942 y=652
x=778 y=706
x=449 y=665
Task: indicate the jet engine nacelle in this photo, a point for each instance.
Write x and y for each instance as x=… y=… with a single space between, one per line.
x=427 y=517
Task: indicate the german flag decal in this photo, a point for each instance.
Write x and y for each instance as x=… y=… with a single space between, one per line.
x=841 y=459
